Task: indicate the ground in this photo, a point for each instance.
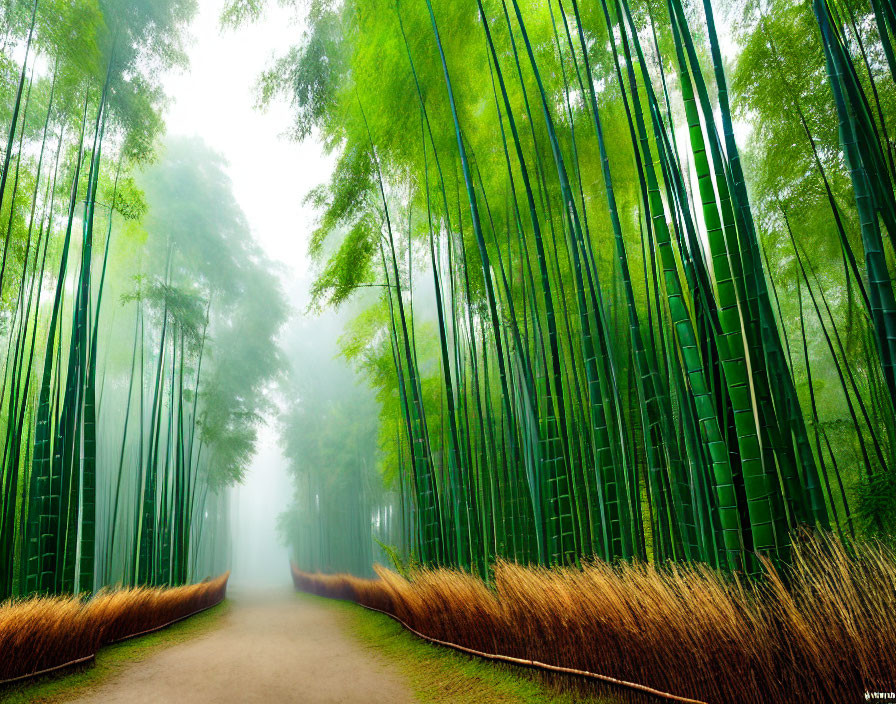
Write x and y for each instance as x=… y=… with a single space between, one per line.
x=443 y=676
x=113 y=659
x=283 y=647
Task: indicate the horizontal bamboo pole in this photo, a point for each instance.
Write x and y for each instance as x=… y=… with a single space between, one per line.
x=92 y=656
x=48 y=670
x=539 y=665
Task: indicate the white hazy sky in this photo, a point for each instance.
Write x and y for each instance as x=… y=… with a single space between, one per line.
x=215 y=99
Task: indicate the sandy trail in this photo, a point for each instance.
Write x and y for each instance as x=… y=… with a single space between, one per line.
x=270 y=647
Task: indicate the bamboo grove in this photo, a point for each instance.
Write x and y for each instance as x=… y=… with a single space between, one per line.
x=342 y=516
x=109 y=440
x=598 y=336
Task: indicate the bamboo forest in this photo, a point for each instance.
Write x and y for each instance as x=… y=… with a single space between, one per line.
x=486 y=350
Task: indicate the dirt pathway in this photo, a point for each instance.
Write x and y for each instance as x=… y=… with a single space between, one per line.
x=270 y=647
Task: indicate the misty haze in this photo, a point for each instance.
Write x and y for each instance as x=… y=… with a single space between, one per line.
x=385 y=351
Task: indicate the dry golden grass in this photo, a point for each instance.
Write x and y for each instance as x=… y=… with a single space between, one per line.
x=824 y=631
x=41 y=633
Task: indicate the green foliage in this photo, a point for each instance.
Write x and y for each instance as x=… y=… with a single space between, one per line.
x=328 y=429
x=618 y=293
x=201 y=242
x=309 y=75
x=875 y=504
x=116 y=454
x=405 y=566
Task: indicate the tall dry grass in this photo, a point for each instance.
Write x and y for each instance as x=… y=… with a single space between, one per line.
x=38 y=634
x=824 y=631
